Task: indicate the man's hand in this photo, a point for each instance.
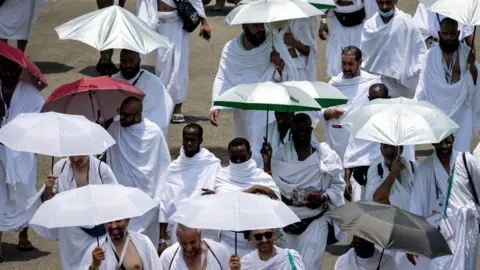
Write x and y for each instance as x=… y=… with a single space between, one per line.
x=321 y=30
x=289 y=40
x=266 y=151
x=161 y=248
x=262 y=190
x=348 y=191
x=234 y=263
x=207 y=191
x=397 y=166
x=411 y=258
x=97 y=257
x=205 y=29
x=214 y=117
x=50 y=182
x=315 y=199
x=333 y=113
x=276 y=59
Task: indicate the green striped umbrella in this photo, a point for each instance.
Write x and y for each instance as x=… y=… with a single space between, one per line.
x=325 y=94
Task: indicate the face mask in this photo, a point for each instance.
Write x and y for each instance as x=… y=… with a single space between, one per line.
x=386 y=14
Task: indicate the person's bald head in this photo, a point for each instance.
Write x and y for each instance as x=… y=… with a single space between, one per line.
x=130 y=111
x=378 y=90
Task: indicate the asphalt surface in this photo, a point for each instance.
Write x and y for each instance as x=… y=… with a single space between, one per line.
x=66 y=61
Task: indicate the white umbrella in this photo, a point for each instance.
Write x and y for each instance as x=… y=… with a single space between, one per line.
x=320 y=4
x=92 y=205
x=399 y=121
x=234 y=211
x=55 y=134
x=324 y=93
x=463 y=11
x=267 y=11
x=113 y=28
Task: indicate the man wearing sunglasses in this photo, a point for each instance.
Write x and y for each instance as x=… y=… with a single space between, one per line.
x=267 y=256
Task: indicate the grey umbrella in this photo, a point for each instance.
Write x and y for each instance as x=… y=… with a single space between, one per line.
x=391 y=228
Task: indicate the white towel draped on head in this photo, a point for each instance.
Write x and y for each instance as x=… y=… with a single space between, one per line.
x=350 y=261
x=396 y=49
x=280 y=261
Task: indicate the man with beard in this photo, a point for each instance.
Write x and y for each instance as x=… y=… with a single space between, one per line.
x=139 y=159
x=267 y=256
x=195 y=169
x=445 y=191
x=308 y=189
x=449 y=81
x=247 y=59
x=394 y=48
x=157 y=103
x=17 y=169
x=172 y=63
x=364 y=256
x=135 y=250
x=193 y=252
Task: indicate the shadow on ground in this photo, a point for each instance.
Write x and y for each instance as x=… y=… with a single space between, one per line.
x=217 y=13
x=12 y=254
x=337 y=250
x=53 y=67
x=219 y=152
x=89 y=71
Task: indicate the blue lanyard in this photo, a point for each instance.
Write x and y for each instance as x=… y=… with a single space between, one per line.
x=438 y=18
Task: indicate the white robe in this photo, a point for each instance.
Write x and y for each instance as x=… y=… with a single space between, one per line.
x=280 y=261
x=238 y=178
x=18 y=170
x=72 y=241
x=273 y=139
x=185 y=179
x=340 y=37
x=140 y=159
x=146 y=250
x=171 y=63
x=240 y=66
x=321 y=171
x=171 y=261
x=395 y=50
x=17 y=17
x=429 y=23
x=350 y=261
x=461 y=212
x=157 y=103
x=458 y=101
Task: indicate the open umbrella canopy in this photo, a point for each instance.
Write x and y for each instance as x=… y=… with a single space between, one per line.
x=464 y=11
x=320 y=4
x=267 y=96
x=399 y=121
x=267 y=11
x=55 y=134
x=324 y=93
x=31 y=72
x=391 y=228
x=113 y=28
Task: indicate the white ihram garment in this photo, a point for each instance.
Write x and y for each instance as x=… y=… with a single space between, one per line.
x=72 y=241
x=461 y=212
x=280 y=261
x=395 y=50
x=321 y=172
x=145 y=249
x=171 y=63
x=350 y=261
x=17 y=17
x=240 y=66
x=459 y=100
x=18 y=170
x=235 y=178
x=186 y=177
x=140 y=159
x=157 y=103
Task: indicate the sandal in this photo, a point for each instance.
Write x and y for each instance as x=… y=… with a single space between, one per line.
x=178 y=118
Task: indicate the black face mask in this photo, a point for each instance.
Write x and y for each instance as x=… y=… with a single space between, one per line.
x=256 y=41
x=130 y=73
x=449 y=46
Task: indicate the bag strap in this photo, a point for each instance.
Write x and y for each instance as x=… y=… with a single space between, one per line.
x=215 y=256
x=470 y=181
x=380 y=170
x=122 y=267
x=413 y=168
x=290 y=259
x=63 y=167
x=135 y=82
x=449 y=191
x=174 y=254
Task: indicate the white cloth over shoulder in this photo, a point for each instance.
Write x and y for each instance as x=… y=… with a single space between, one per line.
x=72 y=242
x=461 y=212
x=17 y=18
x=395 y=50
x=143 y=245
x=458 y=100
x=218 y=257
x=18 y=170
x=240 y=66
x=350 y=261
x=157 y=103
x=280 y=261
x=147 y=10
x=140 y=159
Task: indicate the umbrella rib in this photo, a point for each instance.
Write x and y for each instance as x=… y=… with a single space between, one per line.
x=94 y=208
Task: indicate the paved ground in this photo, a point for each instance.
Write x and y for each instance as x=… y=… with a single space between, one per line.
x=66 y=61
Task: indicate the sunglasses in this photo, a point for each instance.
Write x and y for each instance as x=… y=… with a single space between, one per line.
x=259 y=236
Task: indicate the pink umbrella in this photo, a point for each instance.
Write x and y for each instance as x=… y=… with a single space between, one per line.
x=91 y=97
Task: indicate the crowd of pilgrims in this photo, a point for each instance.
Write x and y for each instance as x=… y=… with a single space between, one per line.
x=374 y=51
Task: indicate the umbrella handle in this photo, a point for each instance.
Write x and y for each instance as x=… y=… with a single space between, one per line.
x=235 y=243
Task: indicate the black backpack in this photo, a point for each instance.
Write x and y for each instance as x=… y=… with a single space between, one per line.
x=188 y=14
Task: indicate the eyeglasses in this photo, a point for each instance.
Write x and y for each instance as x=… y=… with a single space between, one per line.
x=259 y=236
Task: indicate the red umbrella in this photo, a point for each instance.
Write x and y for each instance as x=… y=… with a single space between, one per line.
x=31 y=72
x=91 y=97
